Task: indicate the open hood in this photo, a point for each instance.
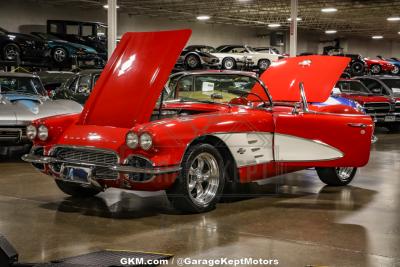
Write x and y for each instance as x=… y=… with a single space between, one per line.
x=132 y=80
x=319 y=75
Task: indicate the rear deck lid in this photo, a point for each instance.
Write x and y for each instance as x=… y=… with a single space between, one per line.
x=318 y=73
x=133 y=78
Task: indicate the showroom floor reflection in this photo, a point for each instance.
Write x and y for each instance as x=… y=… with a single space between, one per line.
x=292 y=218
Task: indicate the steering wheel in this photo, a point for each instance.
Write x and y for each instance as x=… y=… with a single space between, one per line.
x=241 y=100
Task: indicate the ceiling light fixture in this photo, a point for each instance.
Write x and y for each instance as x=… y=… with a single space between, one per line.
x=274 y=25
x=393 y=19
x=377 y=37
x=328 y=9
x=330 y=31
x=203 y=17
x=106 y=6
x=298 y=19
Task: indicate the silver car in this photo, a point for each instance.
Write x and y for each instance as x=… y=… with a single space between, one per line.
x=23 y=99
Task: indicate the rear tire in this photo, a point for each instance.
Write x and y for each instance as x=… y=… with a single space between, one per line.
x=229 y=64
x=200 y=183
x=192 y=62
x=376 y=69
x=76 y=190
x=336 y=176
x=357 y=68
x=60 y=55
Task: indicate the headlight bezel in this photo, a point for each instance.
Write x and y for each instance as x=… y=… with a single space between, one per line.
x=42 y=132
x=34 y=130
x=146 y=141
x=133 y=136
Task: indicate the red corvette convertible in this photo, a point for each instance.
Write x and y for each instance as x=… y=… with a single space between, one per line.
x=202 y=140
x=378 y=66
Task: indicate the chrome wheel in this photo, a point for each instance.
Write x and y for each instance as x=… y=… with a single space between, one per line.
x=192 y=62
x=344 y=173
x=203 y=179
x=59 y=55
x=396 y=70
x=11 y=52
x=229 y=64
x=375 y=69
x=263 y=64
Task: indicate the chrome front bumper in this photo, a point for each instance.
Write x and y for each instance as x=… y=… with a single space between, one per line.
x=120 y=168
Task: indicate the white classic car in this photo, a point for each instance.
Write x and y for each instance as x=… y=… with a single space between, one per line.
x=261 y=60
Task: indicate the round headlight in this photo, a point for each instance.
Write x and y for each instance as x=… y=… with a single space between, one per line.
x=43 y=132
x=132 y=140
x=31 y=132
x=146 y=141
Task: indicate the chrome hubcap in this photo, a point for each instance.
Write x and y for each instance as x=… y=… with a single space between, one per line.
x=264 y=65
x=203 y=179
x=228 y=64
x=344 y=173
x=59 y=55
x=375 y=69
x=395 y=70
x=11 y=53
x=192 y=62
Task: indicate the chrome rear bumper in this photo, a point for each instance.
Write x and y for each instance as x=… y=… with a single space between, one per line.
x=120 y=168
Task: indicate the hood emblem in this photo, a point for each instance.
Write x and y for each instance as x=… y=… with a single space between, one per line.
x=305 y=63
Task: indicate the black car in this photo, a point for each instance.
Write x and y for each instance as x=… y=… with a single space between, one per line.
x=92 y=34
x=23 y=46
x=79 y=86
x=198 y=56
x=357 y=65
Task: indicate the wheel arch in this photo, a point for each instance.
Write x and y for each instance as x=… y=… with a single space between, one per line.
x=229 y=161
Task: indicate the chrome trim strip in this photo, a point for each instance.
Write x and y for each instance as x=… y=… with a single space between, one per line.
x=120 y=168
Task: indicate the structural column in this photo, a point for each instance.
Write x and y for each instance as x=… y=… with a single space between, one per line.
x=112 y=26
x=293 y=28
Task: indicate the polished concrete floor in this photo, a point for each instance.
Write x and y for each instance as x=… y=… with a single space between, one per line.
x=292 y=218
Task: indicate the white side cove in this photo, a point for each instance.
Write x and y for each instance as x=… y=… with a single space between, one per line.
x=249 y=148
x=293 y=148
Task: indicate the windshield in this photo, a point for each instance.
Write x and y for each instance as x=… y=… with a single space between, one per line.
x=21 y=85
x=393 y=84
x=217 y=88
x=352 y=87
x=204 y=49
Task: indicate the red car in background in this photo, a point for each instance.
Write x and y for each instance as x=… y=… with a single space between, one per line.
x=192 y=147
x=378 y=66
x=379 y=107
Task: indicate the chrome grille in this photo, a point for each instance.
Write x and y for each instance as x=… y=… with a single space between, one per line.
x=100 y=159
x=12 y=133
x=377 y=108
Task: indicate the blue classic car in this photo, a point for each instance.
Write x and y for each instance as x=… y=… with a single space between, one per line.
x=63 y=52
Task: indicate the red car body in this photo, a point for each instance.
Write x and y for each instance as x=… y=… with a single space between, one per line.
x=377 y=66
x=261 y=142
x=379 y=107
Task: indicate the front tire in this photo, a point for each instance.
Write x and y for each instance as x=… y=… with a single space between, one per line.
x=76 y=190
x=11 y=52
x=396 y=70
x=200 y=183
x=357 y=68
x=263 y=64
x=338 y=176
x=60 y=55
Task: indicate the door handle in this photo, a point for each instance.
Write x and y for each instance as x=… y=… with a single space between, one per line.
x=357 y=125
